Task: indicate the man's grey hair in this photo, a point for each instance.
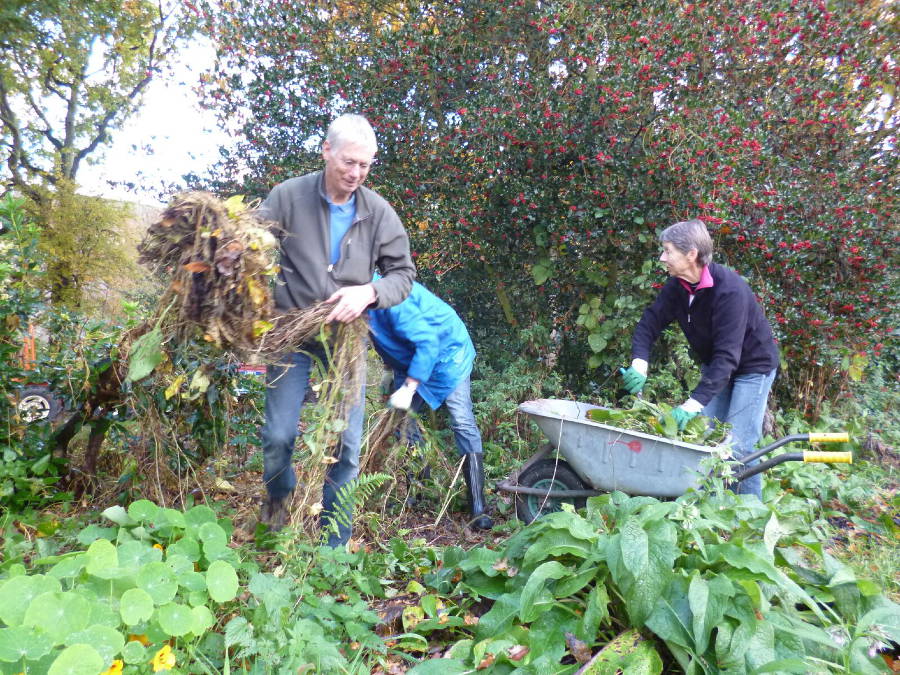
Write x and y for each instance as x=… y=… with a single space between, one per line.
x=351 y=128
x=690 y=234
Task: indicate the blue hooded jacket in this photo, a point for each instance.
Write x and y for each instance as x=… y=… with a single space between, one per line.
x=424 y=338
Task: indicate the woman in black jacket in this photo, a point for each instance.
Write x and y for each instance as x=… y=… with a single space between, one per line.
x=725 y=327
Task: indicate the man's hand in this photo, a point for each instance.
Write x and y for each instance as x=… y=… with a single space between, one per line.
x=402 y=398
x=350 y=302
x=633 y=379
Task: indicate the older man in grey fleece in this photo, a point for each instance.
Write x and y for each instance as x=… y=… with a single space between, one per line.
x=333 y=234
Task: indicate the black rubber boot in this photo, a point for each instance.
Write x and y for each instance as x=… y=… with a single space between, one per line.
x=274 y=513
x=473 y=470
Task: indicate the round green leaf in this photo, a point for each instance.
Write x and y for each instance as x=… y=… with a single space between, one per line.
x=175 y=619
x=221 y=581
x=187 y=547
x=18 y=592
x=192 y=581
x=107 y=641
x=58 y=614
x=134 y=652
x=23 y=642
x=203 y=619
x=174 y=518
x=158 y=581
x=179 y=564
x=143 y=510
x=136 y=605
x=212 y=533
x=102 y=557
x=198 y=515
x=80 y=659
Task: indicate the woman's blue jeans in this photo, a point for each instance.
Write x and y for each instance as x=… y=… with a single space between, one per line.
x=285 y=391
x=742 y=404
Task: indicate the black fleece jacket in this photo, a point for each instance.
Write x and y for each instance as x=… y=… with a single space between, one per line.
x=725 y=327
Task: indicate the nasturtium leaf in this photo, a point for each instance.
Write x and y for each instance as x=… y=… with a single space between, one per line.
x=94 y=532
x=175 y=619
x=68 y=567
x=179 y=564
x=157 y=579
x=101 y=558
x=135 y=605
x=23 y=642
x=203 y=620
x=107 y=641
x=174 y=517
x=197 y=515
x=134 y=652
x=221 y=581
x=143 y=510
x=118 y=515
x=146 y=353
x=192 y=581
x=78 y=659
x=58 y=614
x=212 y=533
x=187 y=547
x=17 y=593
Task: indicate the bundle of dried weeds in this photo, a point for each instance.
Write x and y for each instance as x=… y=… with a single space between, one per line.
x=221 y=258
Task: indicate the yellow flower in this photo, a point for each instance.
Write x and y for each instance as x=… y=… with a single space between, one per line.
x=115 y=668
x=139 y=638
x=164 y=659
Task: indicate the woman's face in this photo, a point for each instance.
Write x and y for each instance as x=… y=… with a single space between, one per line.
x=678 y=264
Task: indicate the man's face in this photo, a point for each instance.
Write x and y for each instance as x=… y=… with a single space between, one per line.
x=678 y=264
x=346 y=167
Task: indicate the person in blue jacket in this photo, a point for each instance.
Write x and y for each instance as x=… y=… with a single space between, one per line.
x=426 y=344
x=726 y=329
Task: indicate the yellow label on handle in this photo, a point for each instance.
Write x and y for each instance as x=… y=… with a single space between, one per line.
x=828 y=457
x=839 y=437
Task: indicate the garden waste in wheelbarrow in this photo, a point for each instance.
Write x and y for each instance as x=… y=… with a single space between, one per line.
x=598 y=458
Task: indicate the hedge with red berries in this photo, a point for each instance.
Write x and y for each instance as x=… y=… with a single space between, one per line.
x=534 y=151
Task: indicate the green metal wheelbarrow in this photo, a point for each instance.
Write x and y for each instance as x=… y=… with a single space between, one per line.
x=595 y=458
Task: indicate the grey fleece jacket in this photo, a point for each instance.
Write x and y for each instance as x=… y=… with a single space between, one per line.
x=376 y=238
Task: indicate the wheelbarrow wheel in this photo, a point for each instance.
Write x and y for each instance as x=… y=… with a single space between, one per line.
x=547 y=474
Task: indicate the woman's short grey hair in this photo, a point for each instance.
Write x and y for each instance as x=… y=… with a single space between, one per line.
x=351 y=128
x=690 y=234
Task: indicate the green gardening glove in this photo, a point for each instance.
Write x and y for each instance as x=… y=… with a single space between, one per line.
x=682 y=417
x=632 y=380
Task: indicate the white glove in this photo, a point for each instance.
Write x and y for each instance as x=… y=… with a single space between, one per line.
x=402 y=398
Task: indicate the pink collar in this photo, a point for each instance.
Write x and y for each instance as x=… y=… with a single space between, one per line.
x=706 y=280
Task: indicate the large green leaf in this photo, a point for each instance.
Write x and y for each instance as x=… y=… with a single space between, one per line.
x=146 y=353
x=107 y=641
x=135 y=606
x=628 y=653
x=158 y=581
x=535 y=596
x=221 y=581
x=23 y=642
x=555 y=543
x=58 y=614
x=79 y=659
x=102 y=557
x=175 y=619
x=17 y=593
x=143 y=510
x=635 y=546
x=499 y=617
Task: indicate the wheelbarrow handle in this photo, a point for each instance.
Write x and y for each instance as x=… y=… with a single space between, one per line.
x=805 y=456
x=838 y=437
x=828 y=457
